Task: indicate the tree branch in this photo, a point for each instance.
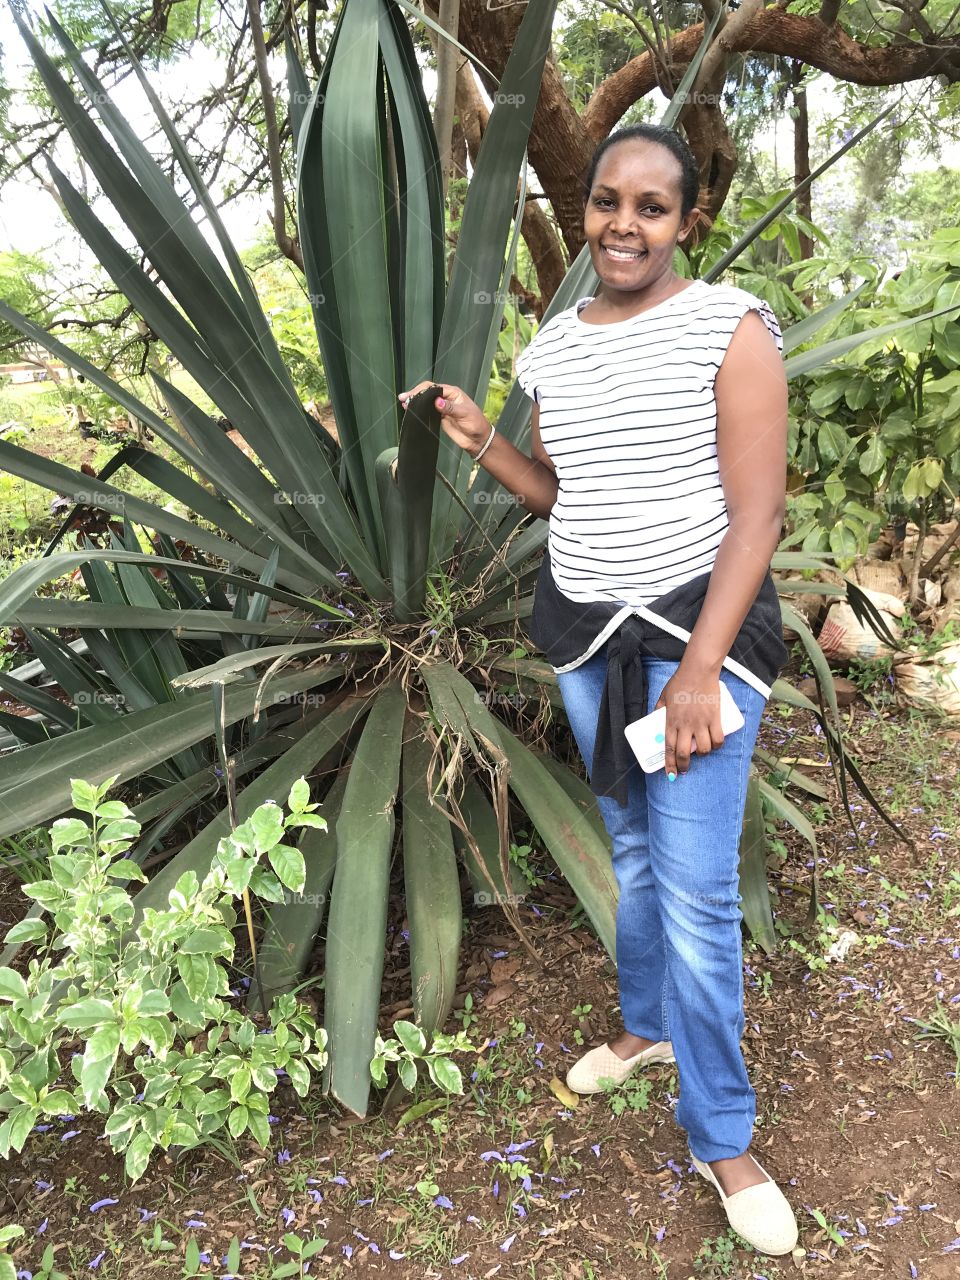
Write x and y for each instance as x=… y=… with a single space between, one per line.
x=288 y=245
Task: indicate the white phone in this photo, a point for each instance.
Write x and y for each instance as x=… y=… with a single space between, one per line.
x=646 y=735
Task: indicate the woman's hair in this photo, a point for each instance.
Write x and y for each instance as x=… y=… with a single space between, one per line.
x=689 y=169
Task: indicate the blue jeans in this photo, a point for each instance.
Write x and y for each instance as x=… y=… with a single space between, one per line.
x=679 y=953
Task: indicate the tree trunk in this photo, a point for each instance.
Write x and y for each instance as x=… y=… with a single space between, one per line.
x=801 y=155
x=448 y=55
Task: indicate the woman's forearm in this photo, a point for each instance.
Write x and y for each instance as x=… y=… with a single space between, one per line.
x=532 y=483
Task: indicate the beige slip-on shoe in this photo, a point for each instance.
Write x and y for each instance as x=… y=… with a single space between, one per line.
x=586 y=1072
x=761 y=1214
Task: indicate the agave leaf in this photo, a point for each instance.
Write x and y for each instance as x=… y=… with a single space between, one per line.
x=346 y=178
x=35 y=783
x=787 y=810
x=20 y=585
x=46 y=704
x=298 y=90
x=792 y=777
x=807 y=361
x=480 y=850
x=582 y=857
x=420 y=259
x=754 y=890
x=475 y=277
x=154 y=181
x=358 y=904
x=579 y=792
x=795 y=335
x=219 y=672
x=298 y=460
x=431 y=889
x=97 y=493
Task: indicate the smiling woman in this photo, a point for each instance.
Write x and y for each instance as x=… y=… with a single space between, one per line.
x=662 y=407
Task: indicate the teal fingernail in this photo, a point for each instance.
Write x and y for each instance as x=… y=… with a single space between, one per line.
x=671 y=776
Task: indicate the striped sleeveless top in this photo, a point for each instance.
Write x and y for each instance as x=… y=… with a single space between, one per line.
x=628 y=416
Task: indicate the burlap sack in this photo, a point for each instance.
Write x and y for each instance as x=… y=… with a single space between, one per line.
x=930 y=684
x=843 y=638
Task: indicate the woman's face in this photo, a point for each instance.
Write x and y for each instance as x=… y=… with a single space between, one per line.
x=634 y=204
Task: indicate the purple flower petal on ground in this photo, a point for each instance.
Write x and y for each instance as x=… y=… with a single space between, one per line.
x=520 y=1146
x=339 y=1177
x=396 y=1255
x=43 y=1226
x=283 y=1157
x=41 y=1185
x=288 y=1216
x=195 y=1223
x=953 y=1246
x=596 y=1149
x=913 y=1271
x=383 y=1154
x=660 y=1233
x=102 y=1204
x=508 y=1242
x=95 y=1262
x=489 y=1155
x=472 y=1217
x=71 y=1133
x=147 y=1215
x=495 y=1189
x=454 y=1262
x=347 y=1249
x=443 y=1201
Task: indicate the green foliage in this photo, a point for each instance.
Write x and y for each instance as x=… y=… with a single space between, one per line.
x=409 y=1047
x=166 y=1059
x=876 y=435
x=24 y=282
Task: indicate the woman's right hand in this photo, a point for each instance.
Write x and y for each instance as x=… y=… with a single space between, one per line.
x=461 y=419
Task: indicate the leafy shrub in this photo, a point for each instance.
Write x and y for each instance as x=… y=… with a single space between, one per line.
x=165 y=1058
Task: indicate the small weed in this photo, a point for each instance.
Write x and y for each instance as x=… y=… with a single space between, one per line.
x=466 y=1014
x=580 y=1011
x=716 y=1257
x=941 y=1027
x=831 y=1231
x=633 y=1095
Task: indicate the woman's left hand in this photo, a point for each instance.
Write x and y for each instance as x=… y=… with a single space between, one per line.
x=692 y=700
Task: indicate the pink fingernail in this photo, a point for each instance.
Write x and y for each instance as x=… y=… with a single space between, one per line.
x=441 y=402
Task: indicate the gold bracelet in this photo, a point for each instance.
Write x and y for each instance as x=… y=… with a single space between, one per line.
x=477 y=456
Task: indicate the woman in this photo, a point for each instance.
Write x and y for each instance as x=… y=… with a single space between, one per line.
x=659 y=458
